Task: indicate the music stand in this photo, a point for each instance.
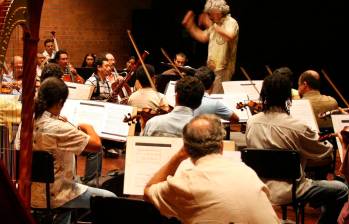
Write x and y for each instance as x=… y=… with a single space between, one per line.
x=162 y=80
x=85 y=72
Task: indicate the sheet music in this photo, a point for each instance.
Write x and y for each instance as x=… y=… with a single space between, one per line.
x=146 y=155
x=106 y=118
x=79 y=91
x=302 y=110
x=170 y=93
x=338 y=122
x=238 y=87
x=230 y=100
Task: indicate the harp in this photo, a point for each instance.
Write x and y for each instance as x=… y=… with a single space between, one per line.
x=24 y=13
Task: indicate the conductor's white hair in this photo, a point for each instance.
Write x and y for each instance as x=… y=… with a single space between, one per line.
x=221 y=5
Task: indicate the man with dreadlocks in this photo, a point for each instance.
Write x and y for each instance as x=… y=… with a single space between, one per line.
x=275 y=128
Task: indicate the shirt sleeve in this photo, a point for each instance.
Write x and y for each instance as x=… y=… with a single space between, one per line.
x=71 y=139
x=223 y=111
x=311 y=148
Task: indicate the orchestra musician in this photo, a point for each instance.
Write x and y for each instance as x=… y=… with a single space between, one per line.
x=179 y=61
x=49 y=51
x=189 y=93
x=99 y=80
x=89 y=61
x=63 y=140
x=13 y=80
x=221 y=32
x=288 y=72
x=70 y=73
x=275 y=128
x=309 y=88
x=216 y=190
x=40 y=58
x=146 y=96
x=211 y=105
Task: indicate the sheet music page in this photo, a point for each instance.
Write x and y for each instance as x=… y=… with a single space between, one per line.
x=245 y=86
x=146 y=155
x=170 y=93
x=79 y=91
x=106 y=118
x=69 y=110
x=302 y=110
x=338 y=122
x=230 y=100
x=113 y=126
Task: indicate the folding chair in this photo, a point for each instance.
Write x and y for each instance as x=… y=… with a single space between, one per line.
x=279 y=164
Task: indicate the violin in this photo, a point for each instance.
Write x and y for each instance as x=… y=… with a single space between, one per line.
x=336 y=111
x=119 y=84
x=144 y=114
x=255 y=107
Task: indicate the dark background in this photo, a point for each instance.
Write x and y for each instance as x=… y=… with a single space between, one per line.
x=298 y=34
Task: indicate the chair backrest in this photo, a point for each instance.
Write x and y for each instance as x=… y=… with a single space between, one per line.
x=42 y=167
x=123 y=210
x=43 y=172
x=273 y=163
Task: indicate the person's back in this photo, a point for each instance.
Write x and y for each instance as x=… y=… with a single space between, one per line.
x=189 y=92
x=275 y=128
x=215 y=190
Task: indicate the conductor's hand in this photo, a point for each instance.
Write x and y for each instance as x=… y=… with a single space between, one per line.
x=205 y=21
x=188 y=20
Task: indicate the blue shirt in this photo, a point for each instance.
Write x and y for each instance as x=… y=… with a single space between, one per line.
x=171 y=124
x=213 y=106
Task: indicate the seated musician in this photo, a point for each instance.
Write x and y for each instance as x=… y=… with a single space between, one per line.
x=217 y=190
x=210 y=105
x=309 y=88
x=99 y=80
x=40 y=59
x=189 y=93
x=70 y=73
x=49 y=51
x=275 y=128
x=13 y=80
x=180 y=60
x=51 y=69
x=287 y=72
x=146 y=96
x=89 y=61
x=63 y=140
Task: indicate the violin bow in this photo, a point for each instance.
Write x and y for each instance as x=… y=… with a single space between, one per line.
x=141 y=60
x=334 y=87
x=249 y=79
x=172 y=64
x=269 y=70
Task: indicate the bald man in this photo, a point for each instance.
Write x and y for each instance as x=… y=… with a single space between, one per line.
x=309 y=88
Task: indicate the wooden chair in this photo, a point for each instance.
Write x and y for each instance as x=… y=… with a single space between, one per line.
x=280 y=164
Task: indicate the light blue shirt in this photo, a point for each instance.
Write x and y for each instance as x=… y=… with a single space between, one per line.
x=213 y=106
x=171 y=124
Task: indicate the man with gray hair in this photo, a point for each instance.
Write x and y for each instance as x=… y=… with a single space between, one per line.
x=216 y=190
x=221 y=33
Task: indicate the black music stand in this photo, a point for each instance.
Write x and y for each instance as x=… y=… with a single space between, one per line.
x=85 y=72
x=162 y=80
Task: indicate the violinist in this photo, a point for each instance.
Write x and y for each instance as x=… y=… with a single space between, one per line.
x=309 y=88
x=288 y=72
x=210 y=105
x=146 y=96
x=13 y=80
x=99 y=80
x=189 y=93
x=70 y=73
x=179 y=61
x=57 y=136
x=274 y=128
